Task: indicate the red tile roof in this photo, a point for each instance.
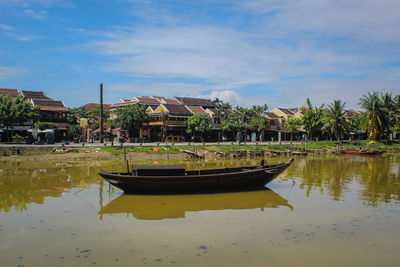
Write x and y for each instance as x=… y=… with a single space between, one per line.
x=177 y=110
x=172 y=101
x=47 y=103
x=94 y=105
x=271 y=115
x=196 y=109
x=35 y=95
x=125 y=103
x=286 y=111
x=195 y=101
x=147 y=99
x=50 y=105
x=11 y=92
x=167 y=100
x=55 y=109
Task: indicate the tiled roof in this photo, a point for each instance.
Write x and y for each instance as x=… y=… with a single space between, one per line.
x=159 y=98
x=295 y=110
x=196 y=109
x=94 y=105
x=212 y=110
x=177 y=110
x=35 y=95
x=272 y=115
x=172 y=101
x=286 y=111
x=55 y=108
x=153 y=107
x=147 y=99
x=165 y=100
x=125 y=103
x=195 y=101
x=48 y=103
x=11 y=92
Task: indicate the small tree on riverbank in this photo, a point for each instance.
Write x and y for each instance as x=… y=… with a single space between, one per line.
x=15 y=111
x=198 y=125
x=132 y=118
x=336 y=120
x=376 y=117
x=292 y=125
x=312 y=118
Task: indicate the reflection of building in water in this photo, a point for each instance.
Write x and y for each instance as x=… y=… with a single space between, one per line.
x=146 y=207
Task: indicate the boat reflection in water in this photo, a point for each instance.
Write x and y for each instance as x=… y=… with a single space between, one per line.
x=158 y=207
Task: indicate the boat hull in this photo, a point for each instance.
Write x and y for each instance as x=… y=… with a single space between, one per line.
x=247 y=178
x=363 y=152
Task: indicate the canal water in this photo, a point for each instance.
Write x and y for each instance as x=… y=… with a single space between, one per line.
x=322 y=211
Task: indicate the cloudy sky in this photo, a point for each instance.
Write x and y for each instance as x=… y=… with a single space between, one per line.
x=248 y=52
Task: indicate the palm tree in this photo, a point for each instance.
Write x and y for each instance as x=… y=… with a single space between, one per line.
x=389 y=104
x=336 y=118
x=376 y=115
x=292 y=124
x=312 y=119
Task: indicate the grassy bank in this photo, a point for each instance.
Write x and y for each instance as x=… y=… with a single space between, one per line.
x=165 y=150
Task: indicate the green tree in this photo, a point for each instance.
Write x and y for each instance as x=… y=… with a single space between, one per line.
x=232 y=123
x=389 y=104
x=312 y=118
x=292 y=124
x=74 y=131
x=376 y=116
x=16 y=111
x=253 y=118
x=198 y=125
x=396 y=115
x=355 y=122
x=336 y=120
x=43 y=125
x=93 y=116
x=132 y=118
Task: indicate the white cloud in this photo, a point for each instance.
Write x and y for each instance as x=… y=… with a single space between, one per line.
x=35 y=14
x=11 y=72
x=168 y=89
x=42 y=3
x=229 y=96
x=24 y=38
x=11 y=32
x=6 y=27
x=224 y=57
x=378 y=20
x=198 y=59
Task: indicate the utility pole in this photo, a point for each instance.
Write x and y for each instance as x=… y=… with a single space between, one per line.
x=101 y=114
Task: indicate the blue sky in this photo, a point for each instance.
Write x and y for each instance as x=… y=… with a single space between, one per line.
x=245 y=52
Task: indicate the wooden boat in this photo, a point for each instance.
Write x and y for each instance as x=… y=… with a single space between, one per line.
x=174 y=178
x=362 y=152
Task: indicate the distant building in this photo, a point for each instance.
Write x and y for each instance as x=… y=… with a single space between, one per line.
x=51 y=111
x=277 y=118
x=168 y=122
x=10 y=92
x=168 y=115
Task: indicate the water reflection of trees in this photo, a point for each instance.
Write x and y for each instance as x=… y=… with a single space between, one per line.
x=378 y=177
x=25 y=183
x=22 y=183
